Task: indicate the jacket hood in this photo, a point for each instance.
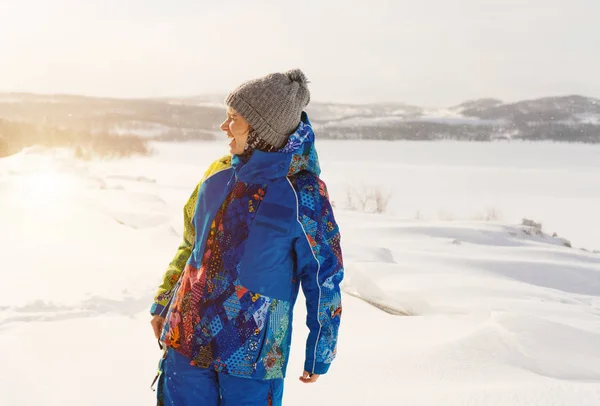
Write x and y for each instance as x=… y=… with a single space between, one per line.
x=299 y=154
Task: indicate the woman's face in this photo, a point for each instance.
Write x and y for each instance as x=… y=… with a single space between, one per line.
x=236 y=128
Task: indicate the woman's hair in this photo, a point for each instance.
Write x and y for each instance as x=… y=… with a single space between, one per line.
x=254 y=142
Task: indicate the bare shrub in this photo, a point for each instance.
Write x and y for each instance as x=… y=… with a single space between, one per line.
x=350 y=203
x=490 y=214
x=418 y=216
x=381 y=200
x=368 y=199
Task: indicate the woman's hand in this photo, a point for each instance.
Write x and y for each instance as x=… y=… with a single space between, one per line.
x=308 y=377
x=157 y=323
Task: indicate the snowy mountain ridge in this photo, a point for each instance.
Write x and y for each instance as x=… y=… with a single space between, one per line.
x=28 y=119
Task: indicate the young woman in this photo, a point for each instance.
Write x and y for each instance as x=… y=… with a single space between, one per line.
x=257 y=227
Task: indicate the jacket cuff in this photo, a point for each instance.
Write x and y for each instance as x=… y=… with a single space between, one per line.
x=319 y=368
x=156 y=309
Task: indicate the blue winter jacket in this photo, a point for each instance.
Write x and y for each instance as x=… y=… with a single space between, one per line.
x=254 y=232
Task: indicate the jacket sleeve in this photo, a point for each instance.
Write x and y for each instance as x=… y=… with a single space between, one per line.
x=177 y=265
x=320 y=268
x=175 y=268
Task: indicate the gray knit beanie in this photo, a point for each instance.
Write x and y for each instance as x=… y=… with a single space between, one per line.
x=272 y=105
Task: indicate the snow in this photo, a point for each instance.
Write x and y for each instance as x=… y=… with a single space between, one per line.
x=357 y=114
x=365 y=122
x=499 y=313
x=141 y=129
x=10 y=100
x=14 y=98
x=207 y=100
x=199 y=103
x=588 y=118
x=454 y=117
x=336 y=112
x=345 y=117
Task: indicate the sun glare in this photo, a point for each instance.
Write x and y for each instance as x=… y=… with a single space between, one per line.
x=48 y=184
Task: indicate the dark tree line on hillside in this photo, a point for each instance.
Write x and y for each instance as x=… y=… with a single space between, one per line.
x=427 y=131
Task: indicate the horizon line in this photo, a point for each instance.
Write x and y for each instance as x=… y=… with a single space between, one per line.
x=200 y=95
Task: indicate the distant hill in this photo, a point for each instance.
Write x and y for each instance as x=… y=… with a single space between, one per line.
x=88 y=122
x=567 y=119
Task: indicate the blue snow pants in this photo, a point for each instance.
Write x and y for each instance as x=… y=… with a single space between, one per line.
x=181 y=384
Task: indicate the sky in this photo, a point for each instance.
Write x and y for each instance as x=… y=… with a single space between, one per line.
x=426 y=52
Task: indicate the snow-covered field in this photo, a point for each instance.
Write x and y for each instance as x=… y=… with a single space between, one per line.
x=499 y=313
